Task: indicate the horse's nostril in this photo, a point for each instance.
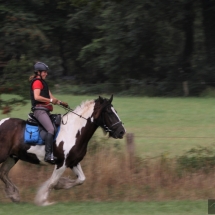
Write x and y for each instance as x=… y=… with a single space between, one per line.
x=122 y=133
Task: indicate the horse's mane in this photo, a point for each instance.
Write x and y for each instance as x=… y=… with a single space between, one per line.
x=84 y=106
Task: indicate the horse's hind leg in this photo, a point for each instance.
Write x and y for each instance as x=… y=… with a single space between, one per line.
x=11 y=190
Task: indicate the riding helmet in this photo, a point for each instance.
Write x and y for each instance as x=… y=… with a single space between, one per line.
x=41 y=66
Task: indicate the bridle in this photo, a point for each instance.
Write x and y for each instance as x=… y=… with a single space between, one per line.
x=103 y=125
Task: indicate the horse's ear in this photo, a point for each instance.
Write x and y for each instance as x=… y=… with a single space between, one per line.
x=111 y=98
x=100 y=105
x=101 y=100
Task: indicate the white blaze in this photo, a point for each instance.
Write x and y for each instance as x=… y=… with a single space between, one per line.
x=117 y=115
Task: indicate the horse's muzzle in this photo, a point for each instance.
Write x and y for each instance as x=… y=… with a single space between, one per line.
x=118 y=133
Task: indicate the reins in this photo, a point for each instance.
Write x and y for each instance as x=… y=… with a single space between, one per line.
x=71 y=110
x=68 y=109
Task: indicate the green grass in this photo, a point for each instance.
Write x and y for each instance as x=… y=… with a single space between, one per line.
x=124 y=208
x=160 y=125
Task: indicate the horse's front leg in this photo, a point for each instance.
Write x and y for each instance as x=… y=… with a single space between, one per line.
x=44 y=190
x=66 y=183
x=79 y=173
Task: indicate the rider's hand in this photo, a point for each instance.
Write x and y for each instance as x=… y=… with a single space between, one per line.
x=64 y=104
x=54 y=101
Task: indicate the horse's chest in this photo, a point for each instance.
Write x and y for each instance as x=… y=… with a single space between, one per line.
x=75 y=155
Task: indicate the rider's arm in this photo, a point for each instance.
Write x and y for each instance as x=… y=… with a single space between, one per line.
x=40 y=98
x=52 y=97
x=37 y=87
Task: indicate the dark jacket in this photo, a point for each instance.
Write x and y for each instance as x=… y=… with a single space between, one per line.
x=44 y=92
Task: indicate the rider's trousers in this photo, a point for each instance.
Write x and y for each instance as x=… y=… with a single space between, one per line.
x=43 y=117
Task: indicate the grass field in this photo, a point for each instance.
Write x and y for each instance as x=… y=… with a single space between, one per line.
x=124 y=208
x=160 y=125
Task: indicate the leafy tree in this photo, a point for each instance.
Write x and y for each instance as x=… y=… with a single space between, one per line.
x=152 y=42
x=19 y=32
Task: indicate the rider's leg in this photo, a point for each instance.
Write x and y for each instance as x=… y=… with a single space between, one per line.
x=49 y=157
x=43 y=117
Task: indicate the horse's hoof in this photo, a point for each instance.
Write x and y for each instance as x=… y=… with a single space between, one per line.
x=15 y=200
x=48 y=203
x=45 y=203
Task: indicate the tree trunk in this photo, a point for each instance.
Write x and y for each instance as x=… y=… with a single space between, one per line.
x=208 y=7
x=62 y=54
x=188 y=46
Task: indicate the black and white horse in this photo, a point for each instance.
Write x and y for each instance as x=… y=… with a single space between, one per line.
x=70 y=146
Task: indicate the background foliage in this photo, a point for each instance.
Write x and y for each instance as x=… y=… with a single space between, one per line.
x=165 y=46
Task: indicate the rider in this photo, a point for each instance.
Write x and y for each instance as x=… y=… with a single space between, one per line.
x=42 y=100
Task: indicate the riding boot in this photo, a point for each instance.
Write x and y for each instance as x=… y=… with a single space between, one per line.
x=49 y=157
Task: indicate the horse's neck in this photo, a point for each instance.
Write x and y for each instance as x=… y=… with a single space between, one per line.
x=79 y=130
x=80 y=117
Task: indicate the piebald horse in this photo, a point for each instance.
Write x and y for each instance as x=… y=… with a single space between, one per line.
x=70 y=147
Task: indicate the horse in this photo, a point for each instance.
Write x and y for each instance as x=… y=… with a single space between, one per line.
x=70 y=146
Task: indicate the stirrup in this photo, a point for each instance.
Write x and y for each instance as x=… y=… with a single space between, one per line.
x=51 y=159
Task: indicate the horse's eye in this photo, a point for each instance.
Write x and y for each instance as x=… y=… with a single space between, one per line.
x=108 y=110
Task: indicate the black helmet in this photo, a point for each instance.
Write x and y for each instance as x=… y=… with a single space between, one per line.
x=41 y=66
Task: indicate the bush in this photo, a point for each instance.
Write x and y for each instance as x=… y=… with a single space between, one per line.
x=200 y=158
x=208 y=92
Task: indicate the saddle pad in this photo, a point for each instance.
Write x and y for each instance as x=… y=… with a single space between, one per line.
x=31 y=134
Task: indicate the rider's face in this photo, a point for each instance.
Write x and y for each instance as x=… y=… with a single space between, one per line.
x=44 y=74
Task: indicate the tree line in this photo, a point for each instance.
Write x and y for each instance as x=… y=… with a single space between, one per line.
x=166 y=44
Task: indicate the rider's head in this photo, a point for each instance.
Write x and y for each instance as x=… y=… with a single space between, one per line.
x=40 y=68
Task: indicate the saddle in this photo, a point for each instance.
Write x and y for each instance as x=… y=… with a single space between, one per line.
x=55 y=118
x=35 y=133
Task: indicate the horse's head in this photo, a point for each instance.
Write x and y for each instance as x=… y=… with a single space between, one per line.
x=107 y=118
